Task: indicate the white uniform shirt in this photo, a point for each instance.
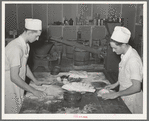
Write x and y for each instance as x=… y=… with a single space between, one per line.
x=130 y=68
x=16 y=54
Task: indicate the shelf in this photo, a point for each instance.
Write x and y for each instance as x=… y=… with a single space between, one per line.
x=75 y=25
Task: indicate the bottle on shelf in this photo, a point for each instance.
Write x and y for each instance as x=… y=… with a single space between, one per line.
x=101 y=22
x=98 y=22
x=96 y=19
x=79 y=35
x=70 y=21
x=65 y=21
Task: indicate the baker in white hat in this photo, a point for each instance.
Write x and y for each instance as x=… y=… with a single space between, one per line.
x=16 y=68
x=130 y=71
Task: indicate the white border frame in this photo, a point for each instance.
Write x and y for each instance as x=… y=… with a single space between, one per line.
x=79 y=116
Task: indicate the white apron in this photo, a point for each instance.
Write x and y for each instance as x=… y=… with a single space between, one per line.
x=135 y=101
x=14 y=94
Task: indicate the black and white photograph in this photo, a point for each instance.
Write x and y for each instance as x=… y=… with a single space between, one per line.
x=74 y=60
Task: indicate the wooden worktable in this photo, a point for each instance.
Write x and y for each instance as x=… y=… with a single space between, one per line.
x=90 y=102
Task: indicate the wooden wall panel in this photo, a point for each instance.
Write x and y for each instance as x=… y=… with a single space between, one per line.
x=24 y=11
x=107 y=10
x=114 y=10
x=10 y=17
x=111 y=27
x=55 y=31
x=40 y=12
x=139 y=12
x=129 y=14
x=50 y=13
x=70 y=32
x=101 y=9
x=69 y=11
x=85 y=32
x=98 y=32
x=138 y=33
x=54 y=13
x=112 y=59
x=85 y=10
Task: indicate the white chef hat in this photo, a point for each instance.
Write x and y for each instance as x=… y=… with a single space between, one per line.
x=121 y=34
x=33 y=24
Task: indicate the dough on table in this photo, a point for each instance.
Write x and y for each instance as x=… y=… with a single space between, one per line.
x=59 y=79
x=51 y=91
x=78 y=86
x=65 y=81
x=103 y=91
x=78 y=74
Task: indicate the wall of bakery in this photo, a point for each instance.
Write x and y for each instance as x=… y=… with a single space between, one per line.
x=90 y=23
x=83 y=16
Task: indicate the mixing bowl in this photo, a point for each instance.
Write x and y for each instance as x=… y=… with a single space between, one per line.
x=55 y=70
x=72 y=96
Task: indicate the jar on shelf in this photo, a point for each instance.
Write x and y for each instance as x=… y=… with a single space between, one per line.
x=70 y=21
x=66 y=21
x=98 y=22
x=79 y=35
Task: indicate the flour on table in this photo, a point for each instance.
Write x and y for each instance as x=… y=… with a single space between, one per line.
x=50 y=90
x=78 y=74
x=78 y=86
x=29 y=111
x=95 y=77
x=87 y=109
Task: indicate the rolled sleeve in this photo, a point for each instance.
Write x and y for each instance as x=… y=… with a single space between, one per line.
x=135 y=69
x=14 y=57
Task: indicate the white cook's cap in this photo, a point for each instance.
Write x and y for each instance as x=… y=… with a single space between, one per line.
x=33 y=24
x=121 y=34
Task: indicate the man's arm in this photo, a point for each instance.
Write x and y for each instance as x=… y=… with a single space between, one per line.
x=15 y=78
x=112 y=86
x=32 y=77
x=135 y=88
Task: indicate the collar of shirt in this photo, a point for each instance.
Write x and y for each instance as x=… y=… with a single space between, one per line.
x=126 y=55
x=22 y=41
x=24 y=44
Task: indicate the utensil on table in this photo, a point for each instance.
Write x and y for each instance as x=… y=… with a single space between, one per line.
x=55 y=70
x=98 y=85
x=72 y=96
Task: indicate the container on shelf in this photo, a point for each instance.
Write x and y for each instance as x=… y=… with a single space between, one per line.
x=79 y=35
x=95 y=22
x=98 y=22
x=70 y=21
x=101 y=22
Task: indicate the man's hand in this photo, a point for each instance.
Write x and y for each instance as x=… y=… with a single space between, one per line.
x=39 y=94
x=110 y=86
x=40 y=83
x=111 y=95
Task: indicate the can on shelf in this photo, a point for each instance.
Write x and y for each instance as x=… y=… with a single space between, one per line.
x=98 y=22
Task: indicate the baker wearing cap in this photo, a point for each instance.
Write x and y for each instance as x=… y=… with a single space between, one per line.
x=16 y=68
x=130 y=71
